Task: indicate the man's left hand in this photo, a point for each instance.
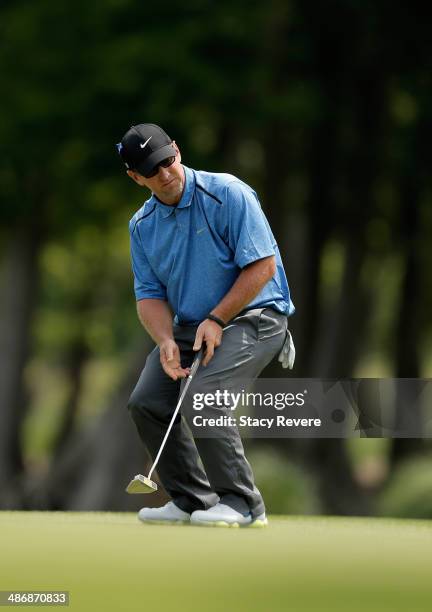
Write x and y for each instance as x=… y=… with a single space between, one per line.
x=211 y=333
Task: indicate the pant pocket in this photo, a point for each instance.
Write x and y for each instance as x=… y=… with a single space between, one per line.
x=270 y=324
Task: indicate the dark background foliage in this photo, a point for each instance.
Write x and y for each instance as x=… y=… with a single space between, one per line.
x=325 y=109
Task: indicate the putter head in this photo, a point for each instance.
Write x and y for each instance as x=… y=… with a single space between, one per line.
x=141 y=484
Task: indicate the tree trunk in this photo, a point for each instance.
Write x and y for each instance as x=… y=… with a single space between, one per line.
x=409 y=324
x=19 y=280
x=77 y=359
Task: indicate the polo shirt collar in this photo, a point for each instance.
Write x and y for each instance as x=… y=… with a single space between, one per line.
x=186 y=199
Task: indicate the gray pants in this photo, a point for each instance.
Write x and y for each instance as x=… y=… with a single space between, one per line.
x=249 y=343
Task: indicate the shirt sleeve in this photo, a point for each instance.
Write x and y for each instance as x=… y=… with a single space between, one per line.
x=146 y=283
x=246 y=227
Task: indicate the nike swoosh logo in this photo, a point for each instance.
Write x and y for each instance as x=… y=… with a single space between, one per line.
x=201 y=230
x=146 y=142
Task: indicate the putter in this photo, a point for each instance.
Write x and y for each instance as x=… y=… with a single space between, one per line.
x=144 y=484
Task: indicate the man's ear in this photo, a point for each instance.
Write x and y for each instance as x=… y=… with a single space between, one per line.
x=177 y=149
x=134 y=176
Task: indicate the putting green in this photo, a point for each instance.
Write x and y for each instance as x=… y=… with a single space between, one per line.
x=112 y=562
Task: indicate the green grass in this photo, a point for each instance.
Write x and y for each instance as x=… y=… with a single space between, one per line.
x=111 y=562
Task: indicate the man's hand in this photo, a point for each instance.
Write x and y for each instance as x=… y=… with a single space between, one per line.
x=170 y=360
x=210 y=333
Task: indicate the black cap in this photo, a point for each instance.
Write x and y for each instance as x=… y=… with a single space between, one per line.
x=144 y=146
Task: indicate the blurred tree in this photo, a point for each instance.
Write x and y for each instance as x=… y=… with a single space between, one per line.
x=311 y=104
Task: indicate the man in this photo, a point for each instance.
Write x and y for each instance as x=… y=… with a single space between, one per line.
x=207 y=271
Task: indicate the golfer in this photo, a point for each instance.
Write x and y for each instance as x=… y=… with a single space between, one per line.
x=207 y=272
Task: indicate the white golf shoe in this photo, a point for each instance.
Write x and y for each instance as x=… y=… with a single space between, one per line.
x=168 y=514
x=222 y=515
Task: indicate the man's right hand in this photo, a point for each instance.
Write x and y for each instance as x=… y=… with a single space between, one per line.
x=170 y=360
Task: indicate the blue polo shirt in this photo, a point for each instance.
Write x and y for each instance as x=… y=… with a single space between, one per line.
x=191 y=254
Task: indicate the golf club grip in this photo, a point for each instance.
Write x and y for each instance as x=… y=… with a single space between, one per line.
x=196 y=362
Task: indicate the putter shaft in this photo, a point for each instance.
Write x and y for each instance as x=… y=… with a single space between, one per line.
x=144 y=484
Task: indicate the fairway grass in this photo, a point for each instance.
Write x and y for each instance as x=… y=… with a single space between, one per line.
x=112 y=562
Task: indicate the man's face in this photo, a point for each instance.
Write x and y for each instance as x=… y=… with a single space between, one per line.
x=167 y=184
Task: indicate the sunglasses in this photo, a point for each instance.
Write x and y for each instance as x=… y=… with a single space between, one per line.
x=165 y=163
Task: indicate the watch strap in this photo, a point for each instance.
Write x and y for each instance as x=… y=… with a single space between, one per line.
x=216 y=320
